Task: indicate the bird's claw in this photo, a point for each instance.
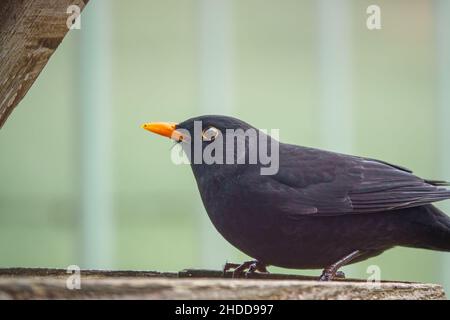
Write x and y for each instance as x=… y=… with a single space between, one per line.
x=330 y=275
x=229 y=266
x=245 y=269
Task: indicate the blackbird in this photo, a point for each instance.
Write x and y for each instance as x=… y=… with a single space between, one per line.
x=320 y=210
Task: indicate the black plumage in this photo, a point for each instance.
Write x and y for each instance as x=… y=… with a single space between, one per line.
x=321 y=209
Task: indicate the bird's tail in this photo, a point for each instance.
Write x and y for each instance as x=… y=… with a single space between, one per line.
x=431 y=228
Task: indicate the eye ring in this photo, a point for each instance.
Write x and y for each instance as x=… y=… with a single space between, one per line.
x=209 y=134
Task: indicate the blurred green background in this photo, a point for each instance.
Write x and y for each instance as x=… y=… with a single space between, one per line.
x=81 y=182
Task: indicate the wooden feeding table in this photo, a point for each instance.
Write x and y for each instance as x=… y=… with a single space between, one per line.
x=22 y=283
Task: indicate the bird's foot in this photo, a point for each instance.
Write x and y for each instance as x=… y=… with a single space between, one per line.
x=330 y=275
x=332 y=271
x=229 y=266
x=326 y=276
x=245 y=269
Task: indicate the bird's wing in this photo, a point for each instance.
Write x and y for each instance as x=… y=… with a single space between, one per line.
x=312 y=181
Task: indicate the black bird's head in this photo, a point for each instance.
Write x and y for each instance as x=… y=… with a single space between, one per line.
x=215 y=145
x=221 y=123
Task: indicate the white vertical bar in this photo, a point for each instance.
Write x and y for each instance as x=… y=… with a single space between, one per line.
x=335 y=75
x=216 y=56
x=95 y=132
x=442 y=9
x=215 y=98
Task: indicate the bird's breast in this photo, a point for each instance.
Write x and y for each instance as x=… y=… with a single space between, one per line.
x=237 y=213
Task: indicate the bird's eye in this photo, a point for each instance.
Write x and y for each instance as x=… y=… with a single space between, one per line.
x=210 y=134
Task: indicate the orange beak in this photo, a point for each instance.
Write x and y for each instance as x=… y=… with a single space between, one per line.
x=166 y=129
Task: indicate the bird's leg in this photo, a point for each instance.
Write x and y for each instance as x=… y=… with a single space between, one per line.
x=247 y=268
x=256 y=266
x=331 y=272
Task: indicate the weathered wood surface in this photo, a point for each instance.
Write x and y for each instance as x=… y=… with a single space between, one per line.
x=30 y=31
x=198 y=284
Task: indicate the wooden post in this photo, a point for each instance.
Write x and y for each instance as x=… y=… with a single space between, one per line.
x=19 y=283
x=30 y=31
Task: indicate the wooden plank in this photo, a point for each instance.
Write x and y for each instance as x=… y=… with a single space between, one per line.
x=21 y=283
x=30 y=31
